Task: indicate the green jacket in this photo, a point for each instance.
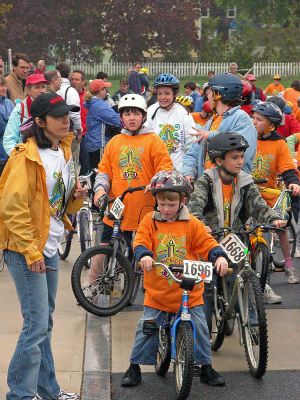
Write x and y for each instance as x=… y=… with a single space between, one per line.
x=206 y=201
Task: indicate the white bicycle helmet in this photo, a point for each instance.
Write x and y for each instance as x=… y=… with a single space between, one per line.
x=133 y=101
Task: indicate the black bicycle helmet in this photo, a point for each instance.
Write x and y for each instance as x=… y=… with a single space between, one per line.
x=229 y=86
x=220 y=144
x=279 y=101
x=270 y=111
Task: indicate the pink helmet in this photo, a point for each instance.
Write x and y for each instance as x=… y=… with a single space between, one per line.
x=207 y=107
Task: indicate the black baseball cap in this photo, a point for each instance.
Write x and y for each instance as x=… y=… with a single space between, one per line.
x=51 y=104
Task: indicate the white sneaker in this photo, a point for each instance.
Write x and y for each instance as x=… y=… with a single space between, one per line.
x=90 y=292
x=62 y=395
x=293 y=277
x=270 y=296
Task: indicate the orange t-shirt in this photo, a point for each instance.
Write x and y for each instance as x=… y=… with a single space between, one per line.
x=292 y=95
x=199 y=119
x=217 y=119
x=227 y=199
x=297 y=114
x=273 y=90
x=272 y=159
x=133 y=161
x=171 y=243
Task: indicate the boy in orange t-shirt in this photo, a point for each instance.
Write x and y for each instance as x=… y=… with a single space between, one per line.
x=273 y=159
x=169 y=236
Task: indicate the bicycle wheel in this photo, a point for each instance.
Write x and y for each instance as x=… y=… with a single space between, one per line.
x=229 y=326
x=254 y=325
x=218 y=325
x=276 y=250
x=164 y=352
x=137 y=280
x=260 y=262
x=106 y=295
x=184 y=362
x=85 y=229
x=64 y=246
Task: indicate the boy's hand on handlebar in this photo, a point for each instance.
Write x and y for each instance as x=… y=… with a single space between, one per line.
x=295 y=189
x=221 y=265
x=97 y=196
x=147 y=263
x=80 y=191
x=279 y=223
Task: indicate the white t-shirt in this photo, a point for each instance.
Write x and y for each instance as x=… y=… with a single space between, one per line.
x=57 y=179
x=173 y=127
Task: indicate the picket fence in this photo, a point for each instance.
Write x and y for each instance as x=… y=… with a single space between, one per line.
x=185 y=69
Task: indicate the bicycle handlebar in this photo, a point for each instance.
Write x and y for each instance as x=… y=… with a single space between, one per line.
x=247 y=231
x=131 y=190
x=169 y=271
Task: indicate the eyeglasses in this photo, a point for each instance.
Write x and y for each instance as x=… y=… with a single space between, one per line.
x=23 y=67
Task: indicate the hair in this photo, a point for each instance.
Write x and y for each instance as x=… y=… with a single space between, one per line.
x=79 y=71
x=102 y=75
x=19 y=56
x=38 y=134
x=124 y=81
x=128 y=109
x=2 y=80
x=64 y=69
x=137 y=63
x=296 y=85
x=170 y=195
x=211 y=71
x=229 y=102
x=233 y=64
x=190 y=85
x=50 y=75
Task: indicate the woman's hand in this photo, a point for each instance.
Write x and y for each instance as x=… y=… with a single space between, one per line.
x=221 y=265
x=295 y=189
x=38 y=266
x=80 y=191
x=147 y=263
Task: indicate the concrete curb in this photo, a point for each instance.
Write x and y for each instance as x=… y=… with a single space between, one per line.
x=96 y=382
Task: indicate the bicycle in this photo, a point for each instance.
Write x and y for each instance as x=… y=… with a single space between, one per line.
x=177 y=334
x=116 y=283
x=244 y=303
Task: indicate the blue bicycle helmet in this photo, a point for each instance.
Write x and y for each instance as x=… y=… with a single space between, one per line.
x=270 y=111
x=229 y=86
x=166 y=80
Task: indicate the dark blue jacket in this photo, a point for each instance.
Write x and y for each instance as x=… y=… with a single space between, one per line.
x=6 y=107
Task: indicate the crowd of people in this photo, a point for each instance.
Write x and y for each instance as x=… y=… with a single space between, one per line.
x=205 y=145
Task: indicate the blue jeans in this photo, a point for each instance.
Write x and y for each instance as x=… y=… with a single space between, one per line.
x=145 y=347
x=31 y=369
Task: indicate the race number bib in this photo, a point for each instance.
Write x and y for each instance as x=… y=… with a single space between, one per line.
x=234 y=248
x=197 y=270
x=117 y=208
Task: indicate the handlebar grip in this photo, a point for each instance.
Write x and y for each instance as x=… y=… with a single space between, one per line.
x=136 y=189
x=260 y=181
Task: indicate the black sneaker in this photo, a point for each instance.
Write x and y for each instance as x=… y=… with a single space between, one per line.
x=132 y=376
x=210 y=376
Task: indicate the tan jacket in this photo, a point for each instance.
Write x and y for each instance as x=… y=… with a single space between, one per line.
x=24 y=202
x=15 y=88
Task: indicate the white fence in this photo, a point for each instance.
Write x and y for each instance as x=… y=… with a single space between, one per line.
x=185 y=69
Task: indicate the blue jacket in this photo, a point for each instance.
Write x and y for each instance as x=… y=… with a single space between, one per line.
x=234 y=120
x=99 y=115
x=6 y=107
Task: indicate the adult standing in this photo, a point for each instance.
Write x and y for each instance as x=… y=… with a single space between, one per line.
x=134 y=78
x=6 y=107
x=33 y=214
x=273 y=89
x=257 y=93
x=16 y=79
x=233 y=69
x=71 y=96
x=54 y=80
x=40 y=67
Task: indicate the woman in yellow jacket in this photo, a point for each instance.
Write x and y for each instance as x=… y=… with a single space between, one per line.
x=37 y=189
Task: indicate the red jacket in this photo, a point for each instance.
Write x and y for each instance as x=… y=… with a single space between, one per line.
x=290 y=127
x=83 y=112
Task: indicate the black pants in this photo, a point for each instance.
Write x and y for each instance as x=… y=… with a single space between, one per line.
x=2 y=165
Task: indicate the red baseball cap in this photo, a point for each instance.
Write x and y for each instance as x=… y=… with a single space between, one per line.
x=250 y=77
x=35 y=78
x=98 y=84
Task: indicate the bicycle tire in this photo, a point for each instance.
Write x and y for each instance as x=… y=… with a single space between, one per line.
x=229 y=326
x=218 y=325
x=255 y=333
x=137 y=281
x=65 y=244
x=106 y=288
x=85 y=239
x=277 y=255
x=184 y=362
x=164 y=352
x=260 y=262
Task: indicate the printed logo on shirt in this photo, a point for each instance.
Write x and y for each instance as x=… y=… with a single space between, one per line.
x=262 y=166
x=171 y=135
x=130 y=162
x=57 y=197
x=171 y=250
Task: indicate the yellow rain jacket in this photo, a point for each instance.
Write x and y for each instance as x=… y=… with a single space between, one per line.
x=24 y=202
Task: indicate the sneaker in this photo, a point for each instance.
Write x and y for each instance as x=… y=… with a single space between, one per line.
x=132 y=377
x=62 y=395
x=90 y=292
x=210 y=376
x=270 y=296
x=293 y=277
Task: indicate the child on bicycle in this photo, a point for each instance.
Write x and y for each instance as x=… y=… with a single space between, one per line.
x=226 y=196
x=170 y=235
x=272 y=160
x=130 y=159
